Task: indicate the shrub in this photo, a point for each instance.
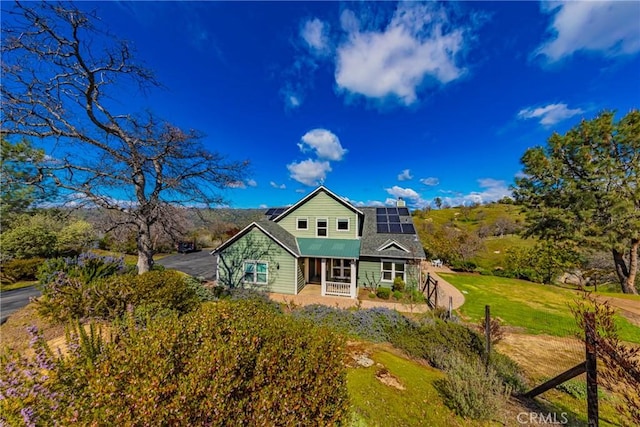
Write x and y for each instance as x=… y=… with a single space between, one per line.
x=203 y=294
x=464 y=266
x=28 y=241
x=86 y=267
x=397 y=295
x=63 y=298
x=508 y=371
x=383 y=293
x=471 y=390
x=398 y=284
x=430 y=341
x=66 y=298
x=374 y=324
x=240 y=361
x=20 y=269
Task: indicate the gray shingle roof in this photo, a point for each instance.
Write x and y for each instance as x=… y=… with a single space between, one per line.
x=280 y=234
x=372 y=240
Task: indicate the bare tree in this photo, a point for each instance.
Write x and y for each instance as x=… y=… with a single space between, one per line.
x=61 y=74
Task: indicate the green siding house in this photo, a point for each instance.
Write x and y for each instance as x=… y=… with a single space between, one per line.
x=323 y=239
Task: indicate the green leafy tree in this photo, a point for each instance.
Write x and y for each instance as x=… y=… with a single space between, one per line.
x=63 y=75
x=22 y=182
x=45 y=234
x=584 y=187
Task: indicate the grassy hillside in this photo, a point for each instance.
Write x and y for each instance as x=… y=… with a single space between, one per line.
x=484 y=220
x=529 y=307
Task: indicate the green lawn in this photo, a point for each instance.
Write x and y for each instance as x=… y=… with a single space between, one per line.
x=377 y=404
x=538 y=309
x=17 y=285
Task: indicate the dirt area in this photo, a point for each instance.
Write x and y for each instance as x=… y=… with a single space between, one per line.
x=14 y=335
x=542 y=356
x=626 y=307
x=387 y=378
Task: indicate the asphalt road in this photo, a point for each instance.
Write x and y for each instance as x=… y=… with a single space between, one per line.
x=198 y=264
x=14 y=300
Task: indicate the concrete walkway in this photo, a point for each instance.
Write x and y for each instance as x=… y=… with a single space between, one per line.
x=445 y=289
x=311 y=295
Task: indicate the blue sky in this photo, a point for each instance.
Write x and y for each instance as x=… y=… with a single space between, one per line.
x=381 y=100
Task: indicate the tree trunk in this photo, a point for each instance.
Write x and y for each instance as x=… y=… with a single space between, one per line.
x=627 y=276
x=145 y=248
x=633 y=267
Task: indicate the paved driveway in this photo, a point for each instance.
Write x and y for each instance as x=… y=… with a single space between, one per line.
x=198 y=264
x=14 y=300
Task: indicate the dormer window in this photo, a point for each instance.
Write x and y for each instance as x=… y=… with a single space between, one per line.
x=342 y=224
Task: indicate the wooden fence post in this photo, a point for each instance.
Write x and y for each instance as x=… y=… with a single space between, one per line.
x=487 y=330
x=591 y=367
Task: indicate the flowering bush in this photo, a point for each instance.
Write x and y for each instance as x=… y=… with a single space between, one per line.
x=374 y=324
x=241 y=361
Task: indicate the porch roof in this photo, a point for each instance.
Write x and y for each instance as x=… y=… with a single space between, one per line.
x=329 y=248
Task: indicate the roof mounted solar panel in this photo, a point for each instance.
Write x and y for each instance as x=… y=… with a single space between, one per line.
x=394 y=218
x=269 y=211
x=392 y=211
x=383 y=228
x=403 y=211
x=381 y=211
x=408 y=229
x=395 y=228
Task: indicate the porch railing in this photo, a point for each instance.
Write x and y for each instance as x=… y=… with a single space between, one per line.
x=338 y=289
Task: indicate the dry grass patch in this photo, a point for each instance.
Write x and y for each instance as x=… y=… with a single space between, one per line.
x=14 y=335
x=542 y=356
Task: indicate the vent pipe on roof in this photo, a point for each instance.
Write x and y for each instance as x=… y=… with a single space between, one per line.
x=400 y=203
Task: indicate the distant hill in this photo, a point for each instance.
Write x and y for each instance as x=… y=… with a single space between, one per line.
x=496 y=223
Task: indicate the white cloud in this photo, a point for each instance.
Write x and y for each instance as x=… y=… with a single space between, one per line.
x=492 y=190
x=359 y=204
x=431 y=181
x=405 y=175
x=278 y=186
x=419 y=45
x=309 y=172
x=314 y=33
x=242 y=184
x=325 y=144
x=549 y=114
x=611 y=28
x=410 y=195
x=236 y=184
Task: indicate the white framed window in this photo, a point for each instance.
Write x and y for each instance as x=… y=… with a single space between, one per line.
x=256 y=272
x=302 y=223
x=322 y=227
x=341 y=268
x=342 y=224
x=393 y=269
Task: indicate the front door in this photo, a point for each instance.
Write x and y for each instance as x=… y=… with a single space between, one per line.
x=315 y=269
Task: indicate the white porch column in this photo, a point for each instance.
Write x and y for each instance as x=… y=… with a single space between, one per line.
x=323 y=277
x=354 y=285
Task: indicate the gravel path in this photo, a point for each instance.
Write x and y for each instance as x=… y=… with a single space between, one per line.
x=445 y=289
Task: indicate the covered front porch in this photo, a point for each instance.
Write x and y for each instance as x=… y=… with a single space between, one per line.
x=331 y=263
x=336 y=276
